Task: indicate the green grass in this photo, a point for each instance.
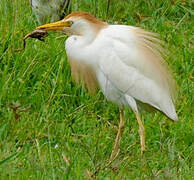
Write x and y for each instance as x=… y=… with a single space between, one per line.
x=44 y=116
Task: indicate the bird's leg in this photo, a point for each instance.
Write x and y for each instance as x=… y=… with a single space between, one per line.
x=115 y=150
x=141 y=132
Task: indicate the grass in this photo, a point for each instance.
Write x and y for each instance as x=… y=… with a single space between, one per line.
x=52 y=129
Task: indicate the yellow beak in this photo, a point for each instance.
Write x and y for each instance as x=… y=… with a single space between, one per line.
x=56 y=26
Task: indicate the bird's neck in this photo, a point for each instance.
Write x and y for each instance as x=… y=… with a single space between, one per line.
x=89 y=36
x=89 y=32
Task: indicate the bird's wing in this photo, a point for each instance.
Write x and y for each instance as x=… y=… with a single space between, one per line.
x=128 y=80
x=144 y=51
x=131 y=65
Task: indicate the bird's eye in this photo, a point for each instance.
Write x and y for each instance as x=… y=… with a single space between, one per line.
x=70 y=23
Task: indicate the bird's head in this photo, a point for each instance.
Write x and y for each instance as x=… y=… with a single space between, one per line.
x=76 y=23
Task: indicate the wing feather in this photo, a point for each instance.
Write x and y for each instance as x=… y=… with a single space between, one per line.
x=137 y=68
x=146 y=52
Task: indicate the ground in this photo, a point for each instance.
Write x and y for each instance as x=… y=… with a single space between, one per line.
x=51 y=128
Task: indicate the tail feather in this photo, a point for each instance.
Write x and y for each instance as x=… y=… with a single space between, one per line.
x=169 y=110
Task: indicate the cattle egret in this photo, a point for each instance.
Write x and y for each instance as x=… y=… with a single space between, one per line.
x=124 y=61
x=49 y=10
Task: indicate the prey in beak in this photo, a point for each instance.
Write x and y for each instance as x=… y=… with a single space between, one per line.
x=56 y=26
x=42 y=31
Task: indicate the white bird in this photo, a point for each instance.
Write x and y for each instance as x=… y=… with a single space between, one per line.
x=124 y=61
x=49 y=10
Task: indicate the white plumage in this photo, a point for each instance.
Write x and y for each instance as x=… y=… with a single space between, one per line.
x=126 y=62
x=123 y=71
